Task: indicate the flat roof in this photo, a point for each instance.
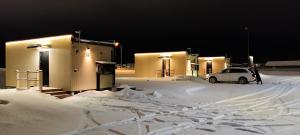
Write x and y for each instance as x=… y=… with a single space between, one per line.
x=210 y=58
x=43 y=39
x=94 y=42
x=105 y=62
x=283 y=63
x=151 y=53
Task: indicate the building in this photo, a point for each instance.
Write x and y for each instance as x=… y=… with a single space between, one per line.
x=66 y=62
x=2 y=78
x=208 y=65
x=288 y=67
x=283 y=64
x=169 y=64
x=162 y=64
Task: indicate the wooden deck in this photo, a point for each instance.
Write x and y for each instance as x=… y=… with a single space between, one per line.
x=56 y=92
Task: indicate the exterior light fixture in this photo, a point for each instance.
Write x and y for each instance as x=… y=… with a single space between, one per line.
x=165 y=57
x=88 y=53
x=117 y=44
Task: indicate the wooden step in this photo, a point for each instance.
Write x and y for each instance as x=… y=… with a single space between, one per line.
x=56 y=92
x=59 y=93
x=62 y=96
x=51 y=90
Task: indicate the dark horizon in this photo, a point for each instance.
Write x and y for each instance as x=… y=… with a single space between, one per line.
x=210 y=28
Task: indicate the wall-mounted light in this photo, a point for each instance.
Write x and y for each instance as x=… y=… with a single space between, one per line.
x=165 y=56
x=43 y=49
x=88 y=53
x=209 y=61
x=117 y=44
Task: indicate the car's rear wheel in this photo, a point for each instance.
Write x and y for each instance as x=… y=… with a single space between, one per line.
x=243 y=80
x=212 y=80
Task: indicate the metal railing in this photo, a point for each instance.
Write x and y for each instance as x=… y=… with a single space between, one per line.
x=28 y=77
x=158 y=73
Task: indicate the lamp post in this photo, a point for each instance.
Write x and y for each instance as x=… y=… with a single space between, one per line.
x=190 y=50
x=248 y=45
x=78 y=32
x=121 y=51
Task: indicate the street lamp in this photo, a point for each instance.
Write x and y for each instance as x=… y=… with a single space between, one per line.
x=116 y=45
x=248 y=44
x=78 y=32
x=190 y=50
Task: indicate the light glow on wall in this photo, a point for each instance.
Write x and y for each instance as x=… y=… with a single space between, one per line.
x=42 y=41
x=161 y=53
x=251 y=59
x=211 y=58
x=43 y=49
x=166 y=58
x=188 y=68
x=88 y=53
x=166 y=55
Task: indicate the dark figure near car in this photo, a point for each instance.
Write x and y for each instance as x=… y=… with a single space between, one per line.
x=258 y=79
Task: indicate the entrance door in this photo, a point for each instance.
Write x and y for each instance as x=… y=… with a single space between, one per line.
x=208 y=67
x=44 y=65
x=166 y=68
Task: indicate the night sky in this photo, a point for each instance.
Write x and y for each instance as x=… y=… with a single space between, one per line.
x=209 y=27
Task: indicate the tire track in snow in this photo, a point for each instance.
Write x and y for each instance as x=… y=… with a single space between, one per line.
x=170 y=130
x=259 y=97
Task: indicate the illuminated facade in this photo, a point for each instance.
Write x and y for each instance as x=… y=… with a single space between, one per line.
x=208 y=65
x=164 y=64
x=170 y=64
x=67 y=62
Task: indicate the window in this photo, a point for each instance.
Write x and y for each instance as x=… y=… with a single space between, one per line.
x=106 y=69
x=226 y=71
x=238 y=71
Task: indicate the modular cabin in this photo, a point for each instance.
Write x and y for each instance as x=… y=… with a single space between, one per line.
x=65 y=62
x=211 y=65
x=2 y=78
x=160 y=64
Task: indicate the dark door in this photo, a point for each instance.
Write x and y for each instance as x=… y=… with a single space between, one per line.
x=44 y=65
x=166 y=68
x=208 y=67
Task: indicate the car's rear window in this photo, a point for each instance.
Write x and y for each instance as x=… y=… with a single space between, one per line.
x=238 y=71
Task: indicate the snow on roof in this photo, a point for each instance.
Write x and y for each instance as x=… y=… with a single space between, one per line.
x=283 y=63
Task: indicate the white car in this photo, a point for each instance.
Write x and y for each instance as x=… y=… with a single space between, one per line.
x=233 y=74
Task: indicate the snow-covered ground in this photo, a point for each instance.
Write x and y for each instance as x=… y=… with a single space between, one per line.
x=159 y=106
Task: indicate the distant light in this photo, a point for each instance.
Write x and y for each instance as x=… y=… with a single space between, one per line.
x=117 y=44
